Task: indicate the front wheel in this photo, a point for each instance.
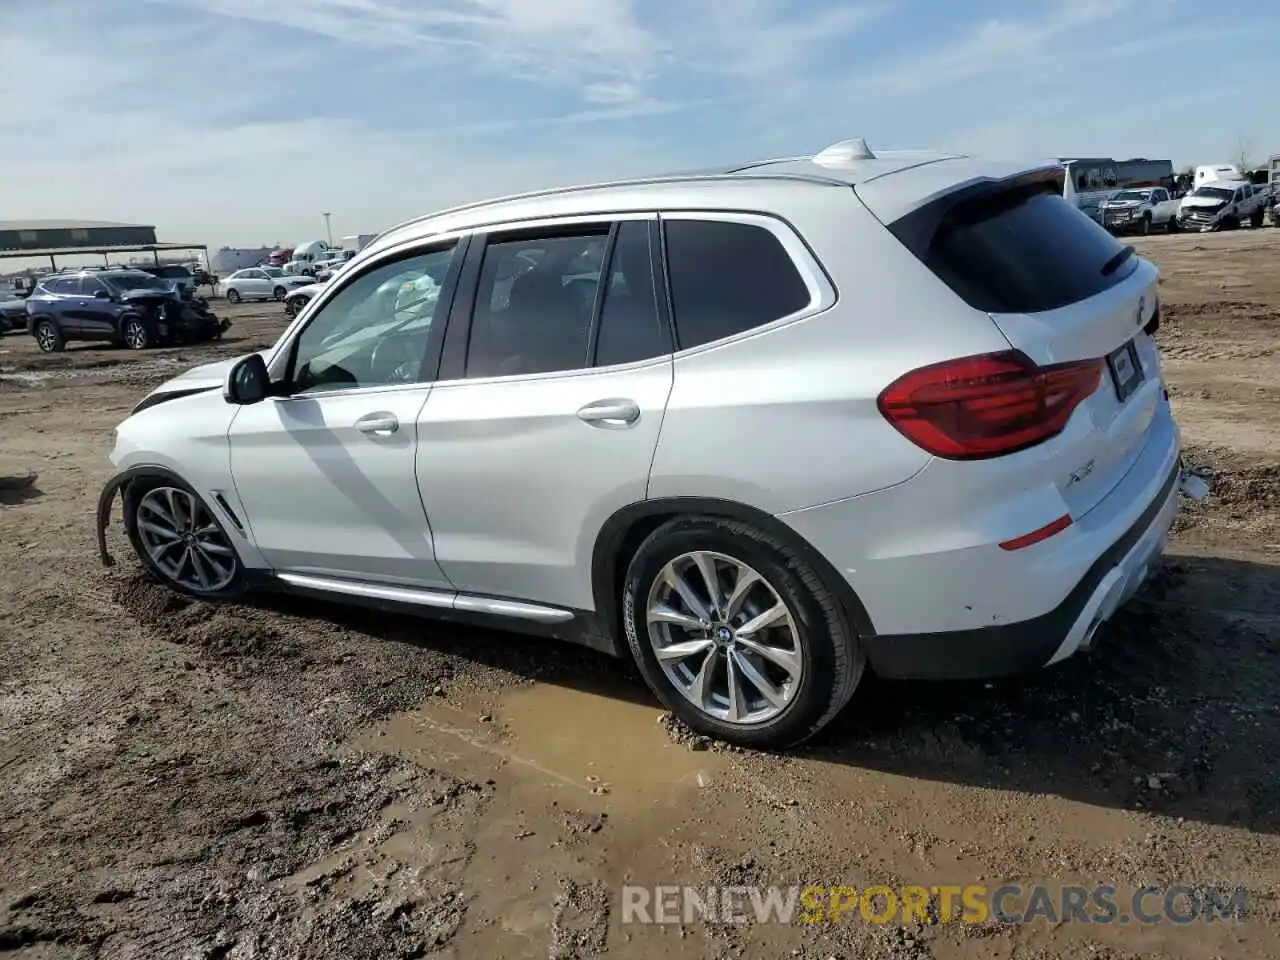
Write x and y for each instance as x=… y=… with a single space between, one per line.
x=179 y=540
x=135 y=333
x=233 y=296
x=737 y=634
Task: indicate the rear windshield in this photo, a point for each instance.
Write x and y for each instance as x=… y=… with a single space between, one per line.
x=1020 y=250
x=175 y=272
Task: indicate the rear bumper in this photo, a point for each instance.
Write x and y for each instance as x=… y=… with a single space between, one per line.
x=1003 y=649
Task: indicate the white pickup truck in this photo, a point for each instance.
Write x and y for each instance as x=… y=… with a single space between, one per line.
x=1139 y=210
x=1223 y=205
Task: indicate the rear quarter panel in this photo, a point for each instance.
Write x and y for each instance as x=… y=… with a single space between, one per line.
x=785 y=417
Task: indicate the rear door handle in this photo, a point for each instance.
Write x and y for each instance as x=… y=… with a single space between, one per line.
x=613 y=413
x=381 y=424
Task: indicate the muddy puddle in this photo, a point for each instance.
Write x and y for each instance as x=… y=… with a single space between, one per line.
x=546 y=774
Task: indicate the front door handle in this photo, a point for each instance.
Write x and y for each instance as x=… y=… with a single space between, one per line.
x=381 y=424
x=610 y=413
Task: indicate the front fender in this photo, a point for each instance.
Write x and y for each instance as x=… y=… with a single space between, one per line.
x=108 y=495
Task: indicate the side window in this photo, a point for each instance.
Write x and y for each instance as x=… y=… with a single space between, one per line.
x=89 y=286
x=63 y=286
x=534 y=303
x=728 y=277
x=375 y=330
x=630 y=327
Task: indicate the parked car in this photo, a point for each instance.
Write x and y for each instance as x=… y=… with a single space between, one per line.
x=1222 y=205
x=300 y=297
x=262 y=283
x=753 y=429
x=180 y=276
x=1139 y=210
x=13 y=309
x=127 y=307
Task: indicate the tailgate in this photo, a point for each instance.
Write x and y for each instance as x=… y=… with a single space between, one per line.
x=1059 y=287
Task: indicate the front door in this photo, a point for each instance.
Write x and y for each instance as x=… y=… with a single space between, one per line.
x=551 y=422
x=325 y=472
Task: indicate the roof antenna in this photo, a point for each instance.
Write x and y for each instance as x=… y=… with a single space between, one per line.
x=844 y=152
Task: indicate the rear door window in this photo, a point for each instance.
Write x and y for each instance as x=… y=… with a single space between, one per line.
x=1023 y=249
x=727 y=277
x=630 y=326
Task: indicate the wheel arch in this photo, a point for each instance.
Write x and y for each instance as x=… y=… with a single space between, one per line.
x=621 y=535
x=149 y=471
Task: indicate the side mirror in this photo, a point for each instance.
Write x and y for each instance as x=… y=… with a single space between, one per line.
x=102 y=295
x=247 y=381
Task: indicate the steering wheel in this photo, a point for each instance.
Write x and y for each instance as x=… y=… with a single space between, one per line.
x=395 y=360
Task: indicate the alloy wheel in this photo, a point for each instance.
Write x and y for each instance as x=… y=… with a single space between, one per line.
x=46 y=337
x=135 y=334
x=724 y=638
x=184 y=541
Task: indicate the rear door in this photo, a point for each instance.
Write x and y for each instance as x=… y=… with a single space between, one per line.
x=547 y=411
x=1060 y=288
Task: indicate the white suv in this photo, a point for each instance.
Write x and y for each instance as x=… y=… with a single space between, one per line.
x=755 y=428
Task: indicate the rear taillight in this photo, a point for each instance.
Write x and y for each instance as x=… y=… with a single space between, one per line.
x=988 y=405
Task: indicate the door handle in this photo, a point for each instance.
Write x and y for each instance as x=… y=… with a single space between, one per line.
x=610 y=413
x=382 y=424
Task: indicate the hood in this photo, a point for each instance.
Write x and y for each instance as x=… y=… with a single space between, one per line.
x=1202 y=203
x=13 y=306
x=311 y=289
x=134 y=295
x=1121 y=204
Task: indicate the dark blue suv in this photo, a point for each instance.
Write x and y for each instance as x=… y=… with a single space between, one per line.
x=128 y=307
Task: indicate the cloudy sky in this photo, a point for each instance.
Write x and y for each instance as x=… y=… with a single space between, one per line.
x=240 y=121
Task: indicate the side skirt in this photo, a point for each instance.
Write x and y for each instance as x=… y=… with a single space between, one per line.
x=579 y=627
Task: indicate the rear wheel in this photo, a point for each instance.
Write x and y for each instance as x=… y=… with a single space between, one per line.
x=1146 y=224
x=49 y=337
x=179 y=540
x=1255 y=218
x=737 y=634
x=279 y=293
x=1171 y=225
x=233 y=296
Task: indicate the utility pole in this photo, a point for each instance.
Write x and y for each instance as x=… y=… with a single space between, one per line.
x=327 y=230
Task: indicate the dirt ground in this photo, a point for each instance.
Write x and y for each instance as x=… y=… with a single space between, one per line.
x=298 y=780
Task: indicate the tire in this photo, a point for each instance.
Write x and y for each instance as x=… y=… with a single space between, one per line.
x=279 y=293
x=141 y=521
x=1171 y=225
x=1145 y=228
x=830 y=658
x=1256 y=218
x=233 y=296
x=136 y=333
x=48 y=336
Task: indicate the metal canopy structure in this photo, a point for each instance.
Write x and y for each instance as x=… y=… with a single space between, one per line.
x=155 y=249
x=20 y=239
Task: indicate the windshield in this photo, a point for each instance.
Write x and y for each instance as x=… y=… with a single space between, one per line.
x=1214 y=193
x=137 y=281
x=1132 y=195
x=273 y=271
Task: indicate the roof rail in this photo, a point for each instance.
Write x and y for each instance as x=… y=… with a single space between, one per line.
x=719 y=174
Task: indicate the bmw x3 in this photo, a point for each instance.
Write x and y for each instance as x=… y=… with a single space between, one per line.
x=759 y=429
